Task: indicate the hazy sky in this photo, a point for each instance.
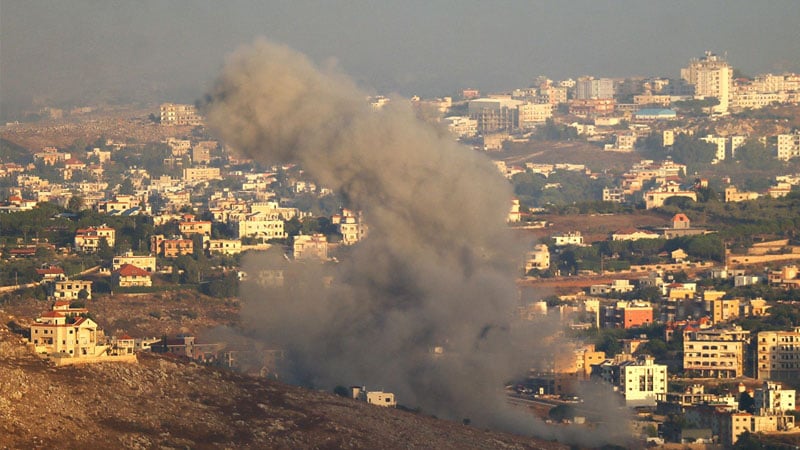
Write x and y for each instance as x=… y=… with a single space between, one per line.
x=84 y=51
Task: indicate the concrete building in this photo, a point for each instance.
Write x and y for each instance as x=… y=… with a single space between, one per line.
x=614 y=195
x=311 y=247
x=87 y=240
x=64 y=332
x=771 y=398
x=723 y=310
x=732 y=194
x=538 y=258
x=569 y=238
x=147 y=263
x=732 y=426
x=640 y=382
x=131 y=276
x=590 y=87
x=655 y=198
x=258 y=225
x=191 y=227
x=170 y=247
x=715 y=353
x=711 y=76
x=495 y=114
x=177 y=114
x=720 y=142
x=350 y=225
x=378 y=398
x=788 y=146
x=70 y=290
x=194 y=175
x=224 y=246
x=778 y=355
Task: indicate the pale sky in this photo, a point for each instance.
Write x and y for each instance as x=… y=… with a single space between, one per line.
x=88 y=51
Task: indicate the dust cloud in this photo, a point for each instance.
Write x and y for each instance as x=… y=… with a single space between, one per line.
x=436 y=272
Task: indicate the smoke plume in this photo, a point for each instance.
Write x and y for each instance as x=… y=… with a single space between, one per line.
x=438 y=266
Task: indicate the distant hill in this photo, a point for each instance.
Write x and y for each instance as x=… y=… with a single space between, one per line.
x=11 y=152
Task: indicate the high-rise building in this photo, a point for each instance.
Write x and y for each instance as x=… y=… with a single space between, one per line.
x=711 y=76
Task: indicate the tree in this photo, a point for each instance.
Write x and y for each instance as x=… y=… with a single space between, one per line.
x=104 y=251
x=75 y=203
x=756 y=155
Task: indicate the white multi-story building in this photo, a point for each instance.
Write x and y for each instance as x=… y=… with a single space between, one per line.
x=177 y=114
x=720 y=142
x=590 y=87
x=538 y=258
x=773 y=399
x=147 y=263
x=569 y=238
x=788 y=146
x=640 y=382
x=258 y=225
x=711 y=76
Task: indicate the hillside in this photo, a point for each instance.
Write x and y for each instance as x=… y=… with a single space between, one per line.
x=168 y=403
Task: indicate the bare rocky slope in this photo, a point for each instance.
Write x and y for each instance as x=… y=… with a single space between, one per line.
x=168 y=403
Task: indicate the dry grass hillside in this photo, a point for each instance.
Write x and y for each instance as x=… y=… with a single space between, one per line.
x=168 y=403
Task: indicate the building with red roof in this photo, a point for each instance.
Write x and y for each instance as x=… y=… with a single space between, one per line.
x=131 y=276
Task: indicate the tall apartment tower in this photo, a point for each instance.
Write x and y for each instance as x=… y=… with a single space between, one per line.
x=711 y=76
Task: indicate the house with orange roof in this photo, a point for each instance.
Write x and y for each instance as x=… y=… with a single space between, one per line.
x=87 y=240
x=131 y=276
x=52 y=273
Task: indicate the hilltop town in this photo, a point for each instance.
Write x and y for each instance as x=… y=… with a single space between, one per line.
x=659 y=222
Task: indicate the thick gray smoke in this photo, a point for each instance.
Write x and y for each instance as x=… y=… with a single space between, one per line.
x=438 y=266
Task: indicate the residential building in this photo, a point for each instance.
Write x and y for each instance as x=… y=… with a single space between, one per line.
x=778 y=355
x=735 y=424
x=147 y=262
x=538 y=258
x=87 y=240
x=495 y=114
x=723 y=310
x=172 y=247
x=191 y=227
x=177 y=114
x=350 y=225
x=732 y=194
x=532 y=114
x=625 y=314
x=461 y=126
x=655 y=198
x=614 y=195
x=311 y=247
x=633 y=234
x=224 y=246
x=592 y=107
x=720 y=142
x=640 y=381
x=569 y=238
x=131 y=276
x=194 y=175
x=60 y=332
x=593 y=88
x=771 y=398
x=711 y=76
x=71 y=289
x=715 y=353
x=259 y=225
x=378 y=398
x=788 y=146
